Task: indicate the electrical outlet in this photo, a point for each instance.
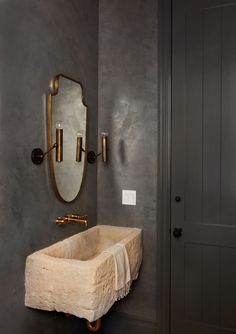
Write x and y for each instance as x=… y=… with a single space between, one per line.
x=129 y=197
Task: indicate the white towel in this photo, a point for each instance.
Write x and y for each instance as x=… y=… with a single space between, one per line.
x=122 y=269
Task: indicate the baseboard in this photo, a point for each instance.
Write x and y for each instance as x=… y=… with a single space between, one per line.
x=119 y=323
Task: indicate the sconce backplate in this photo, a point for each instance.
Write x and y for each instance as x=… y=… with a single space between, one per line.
x=91 y=157
x=37 y=156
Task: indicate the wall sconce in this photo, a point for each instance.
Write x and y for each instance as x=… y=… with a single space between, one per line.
x=92 y=156
x=79 y=147
x=104 y=136
x=37 y=155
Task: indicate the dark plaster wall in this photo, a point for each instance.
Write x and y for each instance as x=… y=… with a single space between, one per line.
x=128 y=110
x=38 y=39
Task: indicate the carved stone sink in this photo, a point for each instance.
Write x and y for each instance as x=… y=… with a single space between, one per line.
x=77 y=275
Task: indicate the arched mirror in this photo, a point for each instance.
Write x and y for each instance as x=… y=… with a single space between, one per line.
x=67 y=119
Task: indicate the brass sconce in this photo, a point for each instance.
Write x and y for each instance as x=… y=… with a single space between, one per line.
x=104 y=136
x=79 y=147
x=37 y=155
x=92 y=156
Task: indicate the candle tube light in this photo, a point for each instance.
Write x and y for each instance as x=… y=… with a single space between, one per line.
x=79 y=148
x=59 y=141
x=104 y=136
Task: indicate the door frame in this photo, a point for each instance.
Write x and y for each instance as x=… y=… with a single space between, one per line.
x=164 y=44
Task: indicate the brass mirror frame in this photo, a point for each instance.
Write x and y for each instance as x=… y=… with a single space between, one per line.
x=53 y=90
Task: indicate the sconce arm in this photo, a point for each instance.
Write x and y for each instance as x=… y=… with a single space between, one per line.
x=53 y=146
x=37 y=155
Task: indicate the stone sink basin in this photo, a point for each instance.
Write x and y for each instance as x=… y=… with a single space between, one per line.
x=77 y=275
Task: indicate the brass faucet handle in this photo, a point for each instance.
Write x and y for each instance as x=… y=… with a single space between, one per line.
x=76 y=216
x=61 y=221
x=71 y=216
x=84 y=217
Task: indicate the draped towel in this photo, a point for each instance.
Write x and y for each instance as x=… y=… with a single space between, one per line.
x=122 y=269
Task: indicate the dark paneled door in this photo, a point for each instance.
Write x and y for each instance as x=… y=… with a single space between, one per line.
x=203 y=208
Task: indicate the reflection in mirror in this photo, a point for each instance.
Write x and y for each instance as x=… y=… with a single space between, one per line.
x=67 y=114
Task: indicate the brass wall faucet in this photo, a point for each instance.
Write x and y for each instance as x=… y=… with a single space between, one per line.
x=72 y=218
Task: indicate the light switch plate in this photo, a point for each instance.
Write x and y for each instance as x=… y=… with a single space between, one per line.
x=129 y=197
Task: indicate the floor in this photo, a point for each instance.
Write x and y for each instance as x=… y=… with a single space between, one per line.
x=116 y=324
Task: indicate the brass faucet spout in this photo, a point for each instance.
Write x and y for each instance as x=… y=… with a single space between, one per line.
x=72 y=218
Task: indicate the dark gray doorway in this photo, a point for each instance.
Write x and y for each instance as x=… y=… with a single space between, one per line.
x=203 y=200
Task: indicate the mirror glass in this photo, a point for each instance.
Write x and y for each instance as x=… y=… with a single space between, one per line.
x=66 y=108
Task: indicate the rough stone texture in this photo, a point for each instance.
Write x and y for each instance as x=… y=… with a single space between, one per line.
x=76 y=275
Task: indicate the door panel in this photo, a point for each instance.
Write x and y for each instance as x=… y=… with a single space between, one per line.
x=211 y=115
x=203 y=282
x=228 y=115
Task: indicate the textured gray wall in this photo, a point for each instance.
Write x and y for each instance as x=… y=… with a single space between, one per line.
x=38 y=39
x=128 y=110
